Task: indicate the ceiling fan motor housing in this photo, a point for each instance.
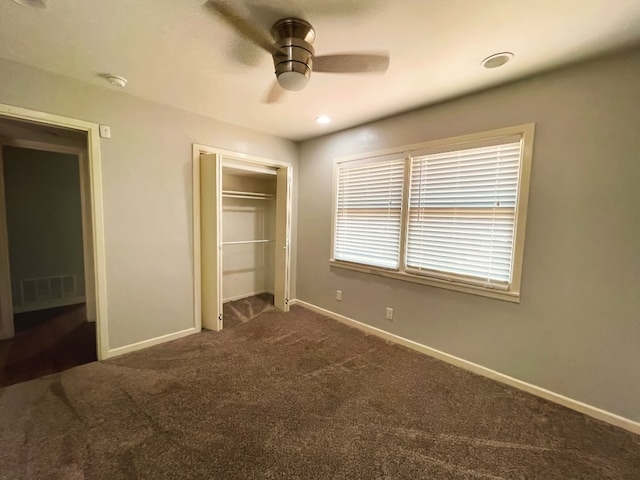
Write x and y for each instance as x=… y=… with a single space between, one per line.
x=294 y=59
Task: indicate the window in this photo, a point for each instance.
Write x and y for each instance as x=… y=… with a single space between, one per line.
x=368 y=212
x=448 y=213
x=462 y=213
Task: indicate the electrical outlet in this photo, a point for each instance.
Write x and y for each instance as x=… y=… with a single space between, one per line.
x=338 y=295
x=389 y=314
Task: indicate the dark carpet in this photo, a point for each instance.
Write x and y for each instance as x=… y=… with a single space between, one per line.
x=47 y=341
x=295 y=395
x=241 y=311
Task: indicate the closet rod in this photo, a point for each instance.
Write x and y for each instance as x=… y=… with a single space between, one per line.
x=242 y=242
x=252 y=195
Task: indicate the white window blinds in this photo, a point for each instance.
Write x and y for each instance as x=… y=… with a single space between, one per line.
x=369 y=212
x=462 y=207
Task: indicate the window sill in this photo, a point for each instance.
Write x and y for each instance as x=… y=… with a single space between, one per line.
x=513 y=297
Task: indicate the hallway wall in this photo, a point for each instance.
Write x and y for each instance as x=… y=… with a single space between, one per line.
x=44 y=224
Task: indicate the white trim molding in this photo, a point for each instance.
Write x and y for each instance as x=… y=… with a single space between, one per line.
x=114 y=352
x=576 y=405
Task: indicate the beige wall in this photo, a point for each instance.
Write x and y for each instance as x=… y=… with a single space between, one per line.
x=576 y=330
x=147 y=187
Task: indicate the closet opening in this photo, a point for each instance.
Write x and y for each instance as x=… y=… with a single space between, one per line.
x=248 y=241
x=242 y=223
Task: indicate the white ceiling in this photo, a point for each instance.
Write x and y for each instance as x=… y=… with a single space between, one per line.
x=177 y=53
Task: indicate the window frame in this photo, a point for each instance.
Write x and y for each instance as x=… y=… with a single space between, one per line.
x=512 y=294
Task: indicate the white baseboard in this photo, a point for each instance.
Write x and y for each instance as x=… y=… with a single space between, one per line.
x=244 y=295
x=576 y=405
x=62 y=302
x=114 y=352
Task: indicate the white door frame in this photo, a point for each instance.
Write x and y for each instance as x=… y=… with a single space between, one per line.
x=197 y=278
x=94 y=230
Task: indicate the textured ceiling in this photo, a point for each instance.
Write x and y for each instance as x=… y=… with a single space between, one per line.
x=177 y=53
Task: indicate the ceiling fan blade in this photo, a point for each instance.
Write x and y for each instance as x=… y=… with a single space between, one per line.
x=241 y=25
x=352 y=63
x=274 y=94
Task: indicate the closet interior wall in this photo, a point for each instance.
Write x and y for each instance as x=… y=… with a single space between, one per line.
x=248 y=233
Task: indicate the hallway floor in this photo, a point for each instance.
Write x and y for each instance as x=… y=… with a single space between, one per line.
x=47 y=341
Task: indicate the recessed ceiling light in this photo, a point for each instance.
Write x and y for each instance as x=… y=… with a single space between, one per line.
x=117 y=80
x=32 y=3
x=497 y=60
x=323 y=119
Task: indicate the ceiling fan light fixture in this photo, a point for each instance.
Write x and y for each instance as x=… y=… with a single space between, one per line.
x=293 y=58
x=293 y=81
x=497 y=60
x=293 y=75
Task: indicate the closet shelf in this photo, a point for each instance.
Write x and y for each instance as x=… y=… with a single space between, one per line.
x=250 y=195
x=243 y=242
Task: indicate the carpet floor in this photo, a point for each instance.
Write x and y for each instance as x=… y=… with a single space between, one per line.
x=295 y=395
x=240 y=311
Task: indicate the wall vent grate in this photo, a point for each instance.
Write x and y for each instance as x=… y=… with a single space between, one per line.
x=43 y=289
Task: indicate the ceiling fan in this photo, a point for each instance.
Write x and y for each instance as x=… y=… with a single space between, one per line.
x=291 y=46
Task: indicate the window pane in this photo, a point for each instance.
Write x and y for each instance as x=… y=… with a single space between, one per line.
x=462 y=213
x=368 y=215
